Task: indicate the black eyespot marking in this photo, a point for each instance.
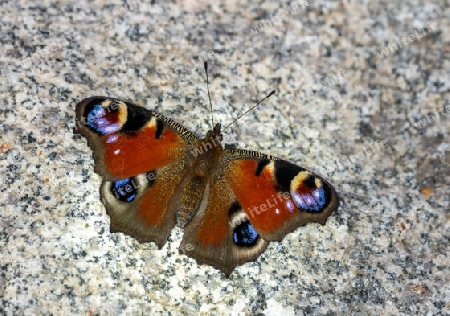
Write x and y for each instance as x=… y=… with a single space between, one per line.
x=260 y=167
x=244 y=235
x=159 y=129
x=137 y=116
x=310 y=181
x=125 y=190
x=284 y=173
x=234 y=208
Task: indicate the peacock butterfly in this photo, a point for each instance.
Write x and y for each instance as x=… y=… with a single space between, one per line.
x=231 y=202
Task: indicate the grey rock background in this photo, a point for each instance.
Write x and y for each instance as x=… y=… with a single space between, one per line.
x=363 y=98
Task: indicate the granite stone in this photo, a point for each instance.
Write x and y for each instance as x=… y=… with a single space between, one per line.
x=363 y=98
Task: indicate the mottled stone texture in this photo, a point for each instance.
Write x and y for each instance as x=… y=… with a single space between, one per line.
x=362 y=98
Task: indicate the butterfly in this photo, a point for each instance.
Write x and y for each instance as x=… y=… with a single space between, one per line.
x=231 y=202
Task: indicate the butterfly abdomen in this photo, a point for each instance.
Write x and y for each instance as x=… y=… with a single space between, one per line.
x=190 y=200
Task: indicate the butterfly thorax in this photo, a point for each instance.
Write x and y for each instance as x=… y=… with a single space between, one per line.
x=207 y=152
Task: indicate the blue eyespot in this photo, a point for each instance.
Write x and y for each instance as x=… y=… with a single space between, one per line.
x=125 y=190
x=102 y=120
x=244 y=235
x=314 y=201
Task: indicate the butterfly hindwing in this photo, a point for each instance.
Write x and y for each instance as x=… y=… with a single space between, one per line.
x=145 y=206
x=219 y=234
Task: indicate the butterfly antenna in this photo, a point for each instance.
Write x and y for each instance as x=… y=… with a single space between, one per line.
x=260 y=101
x=205 y=64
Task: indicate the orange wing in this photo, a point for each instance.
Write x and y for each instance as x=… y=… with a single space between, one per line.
x=253 y=199
x=128 y=139
x=278 y=196
x=143 y=158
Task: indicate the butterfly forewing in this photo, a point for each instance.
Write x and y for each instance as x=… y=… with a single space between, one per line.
x=276 y=195
x=128 y=139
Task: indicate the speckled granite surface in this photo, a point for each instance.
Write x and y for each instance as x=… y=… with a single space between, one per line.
x=363 y=98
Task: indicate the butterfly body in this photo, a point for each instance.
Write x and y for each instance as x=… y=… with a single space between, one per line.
x=231 y=202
